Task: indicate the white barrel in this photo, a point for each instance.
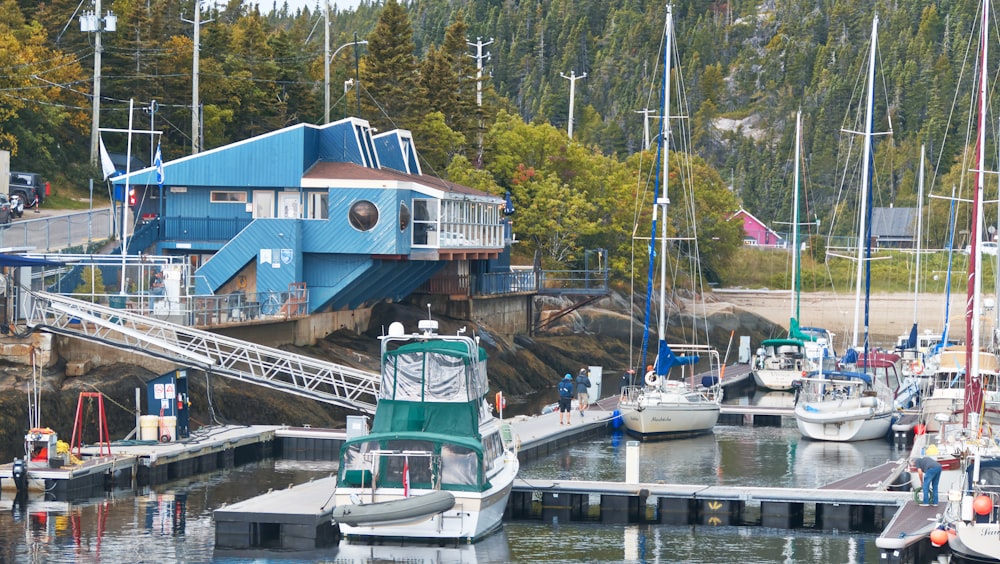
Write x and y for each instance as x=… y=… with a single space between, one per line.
x=149 y=426
x=168 y=429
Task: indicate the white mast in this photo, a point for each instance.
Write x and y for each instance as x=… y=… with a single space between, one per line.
x=664 y=200
x=795 y=217
x=920 y=219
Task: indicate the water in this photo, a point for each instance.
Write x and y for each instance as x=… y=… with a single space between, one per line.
x=174 y=522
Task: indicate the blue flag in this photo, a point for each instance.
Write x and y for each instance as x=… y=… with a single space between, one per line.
x=158 y=163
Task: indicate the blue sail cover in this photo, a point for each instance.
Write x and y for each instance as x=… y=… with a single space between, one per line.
x=850 y=357
x=667 y=359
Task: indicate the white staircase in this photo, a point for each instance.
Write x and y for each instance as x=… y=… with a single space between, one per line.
x=263 y=366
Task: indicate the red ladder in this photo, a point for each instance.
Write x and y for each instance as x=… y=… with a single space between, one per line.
x=102 y=424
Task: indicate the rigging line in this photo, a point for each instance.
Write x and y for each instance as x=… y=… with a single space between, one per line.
x=41 y=103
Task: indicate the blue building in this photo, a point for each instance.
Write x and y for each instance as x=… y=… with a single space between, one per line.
x=335 y=209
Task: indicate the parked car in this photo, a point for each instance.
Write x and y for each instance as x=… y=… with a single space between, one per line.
x=986 y=248
x=29 y=187
x=6 y=214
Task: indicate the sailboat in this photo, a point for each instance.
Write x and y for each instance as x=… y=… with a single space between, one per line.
x=859 y=404
x=665 y=405
x=779 y=363
x=977 y=528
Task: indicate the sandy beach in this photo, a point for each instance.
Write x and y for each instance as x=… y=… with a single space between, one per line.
x=890 y=315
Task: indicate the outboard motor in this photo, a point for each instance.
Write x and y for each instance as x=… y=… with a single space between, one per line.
x=20 y=475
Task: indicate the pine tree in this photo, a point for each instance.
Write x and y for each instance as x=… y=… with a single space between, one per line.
x=395 y=98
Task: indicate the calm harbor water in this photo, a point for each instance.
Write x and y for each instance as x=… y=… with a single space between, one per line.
x=173 y=523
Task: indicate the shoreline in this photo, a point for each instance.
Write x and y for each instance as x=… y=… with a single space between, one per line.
x=890 y=314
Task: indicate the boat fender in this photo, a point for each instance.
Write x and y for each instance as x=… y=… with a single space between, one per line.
x=616 y=419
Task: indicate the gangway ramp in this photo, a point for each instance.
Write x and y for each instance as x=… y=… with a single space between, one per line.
x=273 y=368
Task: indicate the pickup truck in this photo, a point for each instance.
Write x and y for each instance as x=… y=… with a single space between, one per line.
x=29 y=187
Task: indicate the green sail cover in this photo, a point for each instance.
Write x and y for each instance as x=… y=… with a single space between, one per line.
x=795 y=333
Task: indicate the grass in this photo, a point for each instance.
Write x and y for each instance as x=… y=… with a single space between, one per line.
x=891 y=271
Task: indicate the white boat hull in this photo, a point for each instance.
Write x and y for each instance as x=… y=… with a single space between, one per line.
x=976 y=542
x=841 y=421
x=668 y=416
x=778 y=380
x=474 y=515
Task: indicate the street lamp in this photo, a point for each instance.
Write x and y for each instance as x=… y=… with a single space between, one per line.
x=91 y=22
x=326 y=110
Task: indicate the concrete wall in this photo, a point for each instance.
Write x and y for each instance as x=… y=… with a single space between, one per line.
x=507 y=315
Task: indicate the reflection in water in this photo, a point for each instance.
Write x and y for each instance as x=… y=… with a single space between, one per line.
x=174 y=523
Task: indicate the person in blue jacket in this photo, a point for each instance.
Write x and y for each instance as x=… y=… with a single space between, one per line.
x=565 y=399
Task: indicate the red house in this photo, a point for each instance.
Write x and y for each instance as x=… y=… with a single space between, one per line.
x=755 y=232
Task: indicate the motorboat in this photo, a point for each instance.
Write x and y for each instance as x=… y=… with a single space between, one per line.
x=436 y=464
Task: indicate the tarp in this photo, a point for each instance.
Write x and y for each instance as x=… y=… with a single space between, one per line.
x=19 y=260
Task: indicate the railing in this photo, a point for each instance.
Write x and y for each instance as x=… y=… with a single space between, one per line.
x=516 y=282
x=574 y=282
x=203 y=228
x=210 y=310
x=48 y=234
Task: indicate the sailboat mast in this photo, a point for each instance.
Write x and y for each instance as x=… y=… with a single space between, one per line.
x=975 y=287
x=866 y=172
x=920 y=219
x=795 y=217
x=664 y=201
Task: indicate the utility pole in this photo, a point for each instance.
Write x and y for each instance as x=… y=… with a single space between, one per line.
x=572 y=78
x=326 y=85
x=195 y=103
x=646 y=112
x=326 y=61
x=92 y=22
x=480 y=57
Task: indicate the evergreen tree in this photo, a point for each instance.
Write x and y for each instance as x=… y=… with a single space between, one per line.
x=395 y=98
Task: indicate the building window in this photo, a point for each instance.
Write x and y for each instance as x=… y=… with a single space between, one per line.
x=404 y=216
x=363 y=215
x=318 y=203
x=222 y=197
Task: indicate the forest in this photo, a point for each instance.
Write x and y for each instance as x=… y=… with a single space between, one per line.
x=745 y=69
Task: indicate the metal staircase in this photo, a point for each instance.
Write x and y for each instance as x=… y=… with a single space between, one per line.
x=248 y=362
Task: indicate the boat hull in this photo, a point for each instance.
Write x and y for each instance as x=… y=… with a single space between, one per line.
x=670 y=420
x=833 y=421
x=975 y=542
x=777 y=380
x=472 y=516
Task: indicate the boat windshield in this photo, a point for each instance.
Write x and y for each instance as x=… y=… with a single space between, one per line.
x=430 y=464
x=437 y=370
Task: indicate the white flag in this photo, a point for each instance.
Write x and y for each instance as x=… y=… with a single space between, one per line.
x=107 y=167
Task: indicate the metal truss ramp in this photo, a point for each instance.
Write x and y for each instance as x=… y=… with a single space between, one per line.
x=240 y=360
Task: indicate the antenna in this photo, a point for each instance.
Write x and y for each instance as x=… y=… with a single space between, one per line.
x=429 y=311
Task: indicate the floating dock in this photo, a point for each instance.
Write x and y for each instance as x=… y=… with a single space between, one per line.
x=145 y=463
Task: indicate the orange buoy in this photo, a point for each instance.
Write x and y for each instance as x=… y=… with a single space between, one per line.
x=919 y=429
x=939 y=537
x=982 y=505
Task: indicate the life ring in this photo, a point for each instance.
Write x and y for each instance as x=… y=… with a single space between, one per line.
x=916 y=368
x=651 y=378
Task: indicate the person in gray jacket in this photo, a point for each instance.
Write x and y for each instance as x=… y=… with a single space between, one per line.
x=583 y=390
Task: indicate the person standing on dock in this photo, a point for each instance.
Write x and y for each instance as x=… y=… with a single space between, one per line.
x=565 y=399
x=930 y=477
x=583 y=390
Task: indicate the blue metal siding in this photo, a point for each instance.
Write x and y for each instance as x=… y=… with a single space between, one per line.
x=270 y=160
x=336 y=235
x=389 y=154
x=349 y=281
x=340 y=142
x=274 y=234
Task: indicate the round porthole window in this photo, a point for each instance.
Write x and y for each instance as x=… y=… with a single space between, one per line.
x=363 y=215
x=404 y=216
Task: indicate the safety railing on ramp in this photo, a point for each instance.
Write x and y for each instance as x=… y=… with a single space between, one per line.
x=273 y=368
